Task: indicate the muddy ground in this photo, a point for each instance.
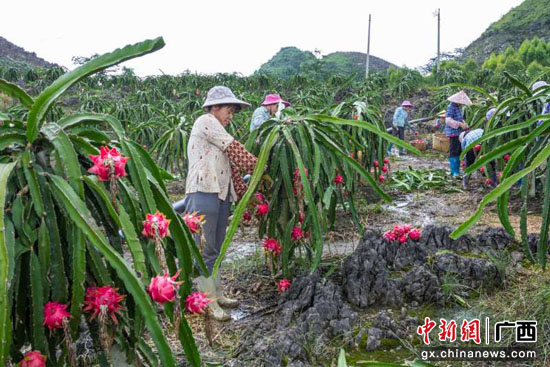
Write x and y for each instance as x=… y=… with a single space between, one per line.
x=247 y=278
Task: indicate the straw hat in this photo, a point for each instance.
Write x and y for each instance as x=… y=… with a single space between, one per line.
x=406 y=104
x=222 y=95
x=460 y=98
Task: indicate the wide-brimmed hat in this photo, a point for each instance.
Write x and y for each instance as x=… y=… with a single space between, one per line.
x=406 y=104
x=222 y=95
x=273 y=99
x=460 y=98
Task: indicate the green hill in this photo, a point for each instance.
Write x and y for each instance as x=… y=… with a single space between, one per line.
x=531 y=18
x=14 y=56
x=291 y=60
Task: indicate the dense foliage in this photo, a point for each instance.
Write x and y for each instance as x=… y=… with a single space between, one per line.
x=516 y=138
x=62 y=255
x=530 y=18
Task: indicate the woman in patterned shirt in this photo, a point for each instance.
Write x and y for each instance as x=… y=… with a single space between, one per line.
x=454 y=125
x=214 y=180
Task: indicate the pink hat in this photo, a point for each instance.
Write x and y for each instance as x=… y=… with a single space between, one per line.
x=274 y=98
x=406 y=104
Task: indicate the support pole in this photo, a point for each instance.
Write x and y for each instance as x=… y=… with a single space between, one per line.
x=368 y=51
x=438 y=38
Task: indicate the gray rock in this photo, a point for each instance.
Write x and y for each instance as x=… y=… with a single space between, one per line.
x=516 y=256
x=373 y=340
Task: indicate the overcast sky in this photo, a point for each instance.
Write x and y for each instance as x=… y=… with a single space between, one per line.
x=238 y=36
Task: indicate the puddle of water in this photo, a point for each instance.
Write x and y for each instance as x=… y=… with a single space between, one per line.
x=402 y=209
x=237 y=314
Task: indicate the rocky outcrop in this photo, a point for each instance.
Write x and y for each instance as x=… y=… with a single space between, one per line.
x=387 y=273
x=311 y=312
x=379 y=273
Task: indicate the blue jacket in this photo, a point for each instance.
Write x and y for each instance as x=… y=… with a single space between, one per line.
x=454 y=112
x=400 y=117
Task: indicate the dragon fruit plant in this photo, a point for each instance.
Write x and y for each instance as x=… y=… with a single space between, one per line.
x=197 y=303
x=74 y=191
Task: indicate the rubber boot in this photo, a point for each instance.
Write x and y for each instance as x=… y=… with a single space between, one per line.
x=454 y=162
x=207 y=285
x=465 y=181
x=222 y=299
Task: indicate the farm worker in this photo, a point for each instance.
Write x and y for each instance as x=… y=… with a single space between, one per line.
x=440 y=121
x=272 y=105
x=454 y=125
x=467 y=138
x=214 y=181
x=400 y=122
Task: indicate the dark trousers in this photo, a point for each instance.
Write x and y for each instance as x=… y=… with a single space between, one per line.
x=398 y=131
x=455 y=148
x=471 y=158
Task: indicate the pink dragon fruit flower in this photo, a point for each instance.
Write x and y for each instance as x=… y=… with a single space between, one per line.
x=390 y=236
x=262 y=209
x=283 y=285
x=398 y=231
x=107 y=160
x=415 y=234
x=406 y=228
x=96 y=297
x=163 y=288
x=339 y=180
x=272 y=245
x=196 y=303
x=54 y=314
x=296 y=234
x=33 y=359
x=155 y=225
x=193 y=221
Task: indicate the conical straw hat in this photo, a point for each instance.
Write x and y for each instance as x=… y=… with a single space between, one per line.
x=460 y=98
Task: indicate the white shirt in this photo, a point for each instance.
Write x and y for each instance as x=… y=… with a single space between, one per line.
x=209 y=167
